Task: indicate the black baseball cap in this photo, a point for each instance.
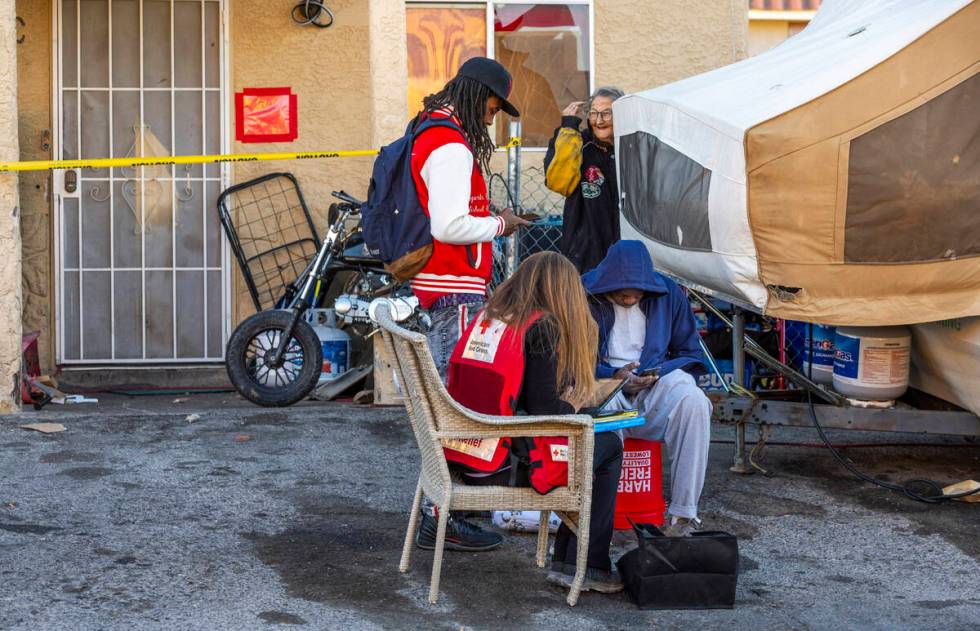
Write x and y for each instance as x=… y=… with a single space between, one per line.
x=493 y=75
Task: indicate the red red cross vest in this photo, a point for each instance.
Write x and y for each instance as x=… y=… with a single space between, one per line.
x=485 y=374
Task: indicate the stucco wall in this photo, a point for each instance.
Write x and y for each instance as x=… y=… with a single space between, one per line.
x=10 y=279
x=329 y=70
x=350 y=81
x=34 y=119
x=641 y=44
x=389 y=64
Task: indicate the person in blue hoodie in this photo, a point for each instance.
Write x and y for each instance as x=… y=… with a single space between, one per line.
x=645 y=322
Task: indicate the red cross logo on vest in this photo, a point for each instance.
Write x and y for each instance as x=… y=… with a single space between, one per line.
x=489 y=381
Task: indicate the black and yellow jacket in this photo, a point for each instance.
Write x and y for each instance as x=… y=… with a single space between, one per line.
x=584 y=172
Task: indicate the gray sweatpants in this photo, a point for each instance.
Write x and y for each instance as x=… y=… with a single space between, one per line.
x=678 y=413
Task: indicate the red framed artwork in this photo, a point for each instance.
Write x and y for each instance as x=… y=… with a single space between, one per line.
x=265 y=115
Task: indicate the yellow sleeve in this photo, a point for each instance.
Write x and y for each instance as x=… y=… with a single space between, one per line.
x=563 y=173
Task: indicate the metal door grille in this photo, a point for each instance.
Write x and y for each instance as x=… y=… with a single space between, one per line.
x=140 y=258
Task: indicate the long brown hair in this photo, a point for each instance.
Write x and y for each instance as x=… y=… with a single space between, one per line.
x=547 y=282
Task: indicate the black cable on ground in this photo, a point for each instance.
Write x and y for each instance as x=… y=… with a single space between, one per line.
x=935 y=491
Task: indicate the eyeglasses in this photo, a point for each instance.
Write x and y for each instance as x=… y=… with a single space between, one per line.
x=605 y=115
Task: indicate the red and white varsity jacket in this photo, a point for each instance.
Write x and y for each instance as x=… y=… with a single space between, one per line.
x=453 y=193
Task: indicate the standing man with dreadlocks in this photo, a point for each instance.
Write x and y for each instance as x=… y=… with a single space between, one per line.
x=448 y=166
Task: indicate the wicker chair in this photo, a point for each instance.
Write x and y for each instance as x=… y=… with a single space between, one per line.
x=435 y=415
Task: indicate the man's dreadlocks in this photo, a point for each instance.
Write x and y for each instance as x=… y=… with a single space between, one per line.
x=468 y=100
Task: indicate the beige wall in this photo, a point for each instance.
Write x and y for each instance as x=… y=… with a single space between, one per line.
x=34 y=119
x=329 y=70
x=640 y=44
x=350 y=81
x=10 y=265
x=389 y=64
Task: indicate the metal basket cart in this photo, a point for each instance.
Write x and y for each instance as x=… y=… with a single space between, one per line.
x=271 y=234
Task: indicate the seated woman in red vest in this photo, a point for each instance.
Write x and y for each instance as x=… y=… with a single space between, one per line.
x=532 y=351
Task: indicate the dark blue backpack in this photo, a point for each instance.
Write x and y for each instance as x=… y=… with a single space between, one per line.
x=395 y=226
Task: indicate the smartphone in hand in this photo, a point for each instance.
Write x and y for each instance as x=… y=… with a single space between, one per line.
x=530 y=217
x=650 y=372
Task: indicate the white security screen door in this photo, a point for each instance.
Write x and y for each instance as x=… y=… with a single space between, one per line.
x=139 y=252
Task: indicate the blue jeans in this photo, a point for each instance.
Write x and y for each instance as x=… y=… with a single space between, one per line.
x=447 y=327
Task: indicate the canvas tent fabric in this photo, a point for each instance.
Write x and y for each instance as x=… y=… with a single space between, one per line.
x=946 y=361
x=834 y=179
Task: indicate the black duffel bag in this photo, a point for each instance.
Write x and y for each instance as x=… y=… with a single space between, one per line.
x=694 y=572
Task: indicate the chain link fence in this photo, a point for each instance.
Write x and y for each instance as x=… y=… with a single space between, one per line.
x=535 y=197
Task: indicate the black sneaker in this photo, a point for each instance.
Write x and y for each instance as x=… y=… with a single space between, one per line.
x=460 y=535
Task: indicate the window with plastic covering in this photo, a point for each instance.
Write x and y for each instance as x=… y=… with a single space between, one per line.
x=913 y=190
x=544 y=45
x=665 y=193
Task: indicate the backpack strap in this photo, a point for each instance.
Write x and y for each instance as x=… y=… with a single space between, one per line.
x=520 y=456
x=423 y=122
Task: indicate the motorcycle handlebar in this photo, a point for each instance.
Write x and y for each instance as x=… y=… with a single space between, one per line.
x=344 y=197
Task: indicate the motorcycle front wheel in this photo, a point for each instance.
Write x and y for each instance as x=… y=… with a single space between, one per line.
x=249 y=359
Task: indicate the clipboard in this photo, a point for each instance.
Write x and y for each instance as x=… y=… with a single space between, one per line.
x=595 y=409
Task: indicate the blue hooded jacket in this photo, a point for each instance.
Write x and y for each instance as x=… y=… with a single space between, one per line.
x=672 y=340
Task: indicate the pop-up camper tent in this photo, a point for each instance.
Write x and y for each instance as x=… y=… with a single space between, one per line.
x=833 y=179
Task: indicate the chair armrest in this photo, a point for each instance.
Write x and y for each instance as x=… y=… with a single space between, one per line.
x=578 y=428
x=515 y=431
x=484 y=426
x=571 y=420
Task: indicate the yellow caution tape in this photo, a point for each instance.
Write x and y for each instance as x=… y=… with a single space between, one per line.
x=105 y=163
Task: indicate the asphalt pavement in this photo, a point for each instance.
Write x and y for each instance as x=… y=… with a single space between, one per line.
x=141 y=516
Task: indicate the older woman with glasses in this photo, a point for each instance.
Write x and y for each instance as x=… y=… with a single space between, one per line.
x=581 y=166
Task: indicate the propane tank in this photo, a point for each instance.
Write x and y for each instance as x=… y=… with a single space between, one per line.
x=334 y=342
x=872 y=363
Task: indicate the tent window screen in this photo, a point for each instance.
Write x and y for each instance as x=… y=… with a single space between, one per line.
x=914 y=183
x=665 y=193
